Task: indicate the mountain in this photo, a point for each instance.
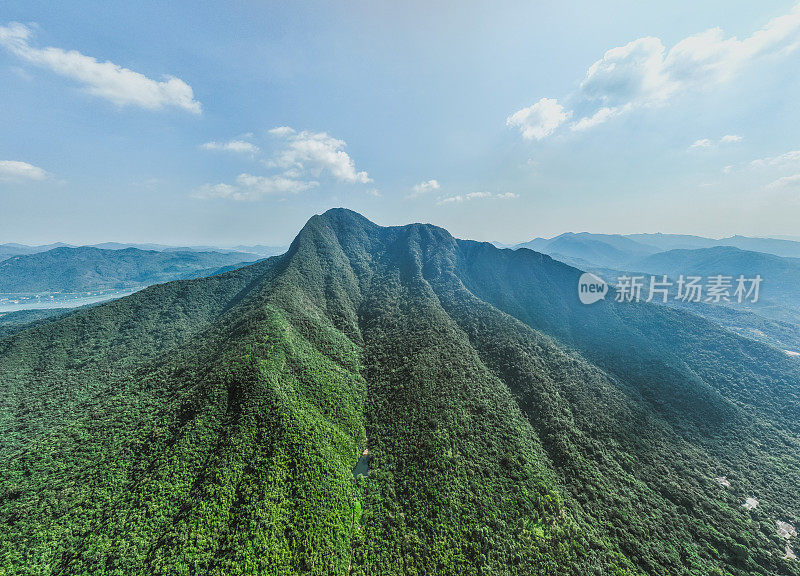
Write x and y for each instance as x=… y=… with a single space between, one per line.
x=123 y=246
x=665 y=242
x=12 y=249
x=211 y=426
x=610 y=250
x=778 y=247
x=253 y=252
x=612 y=256
x=616 y=250
x=779 y=288
x=87 y=269
x=260 y=250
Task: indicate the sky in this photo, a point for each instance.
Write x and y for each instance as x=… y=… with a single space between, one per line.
x=233 y=123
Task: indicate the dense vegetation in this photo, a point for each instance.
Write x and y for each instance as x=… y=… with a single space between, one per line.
x=85 y=269
x=778 y=333
x=13 y=322
x=210 y=426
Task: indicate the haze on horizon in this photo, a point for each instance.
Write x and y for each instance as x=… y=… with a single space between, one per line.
x=180 y=125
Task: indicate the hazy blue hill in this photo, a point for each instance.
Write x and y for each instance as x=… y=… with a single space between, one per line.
x=123 y=246
x=723 y=260
x=779 y=297
x=9 y=250
x=786 y=248
x=609 y=250
x=664 y=242
x=780 y=275
x=588 y=250
x=261 y=249
x=537 y=244
x=210 y=426
x=615 y=250
x=85 y=268
x=254 y=251
x=13 y=249
x=620 y=242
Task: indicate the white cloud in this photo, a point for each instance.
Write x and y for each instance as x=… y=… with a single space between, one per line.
x=643 y=73
x=13 y=170
x=103 y=79
x=220 y=190
x=628 y=74
x=282 y=131
x=708 y=143
x=476 y=196
x=703 y=143
x=781 y=160
x=424 y=188
x=731 y=139
x=602 y=115
x=316 y=152
x=301 y=158
x=540 y=120
x=787 y=182
x=240 y=146
x=249 y=188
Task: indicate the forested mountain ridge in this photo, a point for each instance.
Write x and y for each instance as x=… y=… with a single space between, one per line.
x=211 y=425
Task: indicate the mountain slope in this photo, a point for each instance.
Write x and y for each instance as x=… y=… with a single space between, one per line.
x=13 y=322
x=210 y=426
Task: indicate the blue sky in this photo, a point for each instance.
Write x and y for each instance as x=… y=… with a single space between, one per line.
x=192 y=123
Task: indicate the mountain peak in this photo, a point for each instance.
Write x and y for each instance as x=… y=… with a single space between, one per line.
x=344 y=215
x=351 y=228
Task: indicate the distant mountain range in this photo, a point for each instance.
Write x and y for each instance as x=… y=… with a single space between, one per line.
x=9 y=250
x=616 y=250
x=611 y=255
x=88 y=269
x=260 y=250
